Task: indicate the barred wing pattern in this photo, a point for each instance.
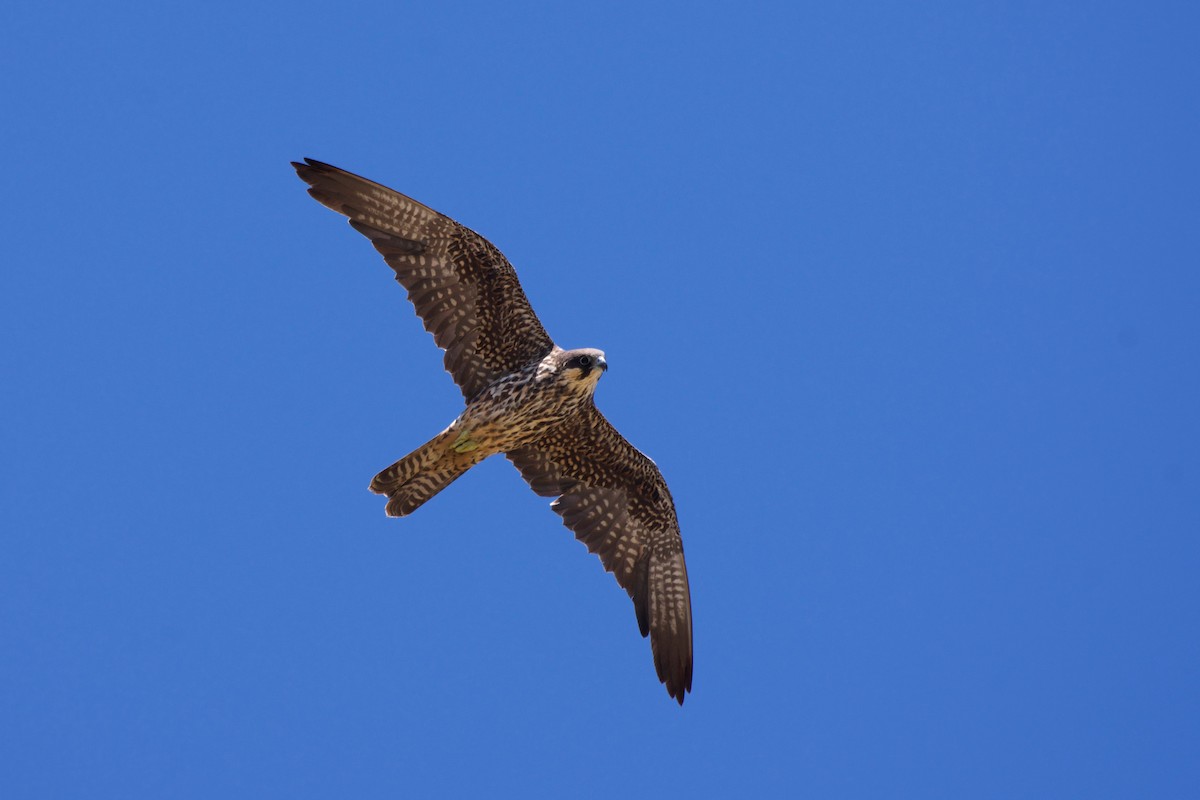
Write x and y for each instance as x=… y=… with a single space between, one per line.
x=616 y=502
x=464 y=289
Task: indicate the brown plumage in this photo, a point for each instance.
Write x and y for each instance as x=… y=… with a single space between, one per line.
x=526 y=398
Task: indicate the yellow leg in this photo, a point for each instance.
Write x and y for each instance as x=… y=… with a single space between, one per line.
x=464 y=443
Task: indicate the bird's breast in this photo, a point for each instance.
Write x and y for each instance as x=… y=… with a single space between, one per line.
x=511 y=414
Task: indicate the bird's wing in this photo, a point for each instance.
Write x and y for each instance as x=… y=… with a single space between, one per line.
x=615 y=500
x=464 y=289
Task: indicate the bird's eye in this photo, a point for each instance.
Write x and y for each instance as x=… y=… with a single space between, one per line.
x=585 y=361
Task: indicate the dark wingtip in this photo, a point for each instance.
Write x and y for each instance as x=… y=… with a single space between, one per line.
x=679 y=690
x=675 y=672
x=310 y=166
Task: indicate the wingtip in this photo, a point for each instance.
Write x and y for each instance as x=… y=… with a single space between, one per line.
x=680 y=690
x=310 y=165
x=675 y=674
x=304 y=172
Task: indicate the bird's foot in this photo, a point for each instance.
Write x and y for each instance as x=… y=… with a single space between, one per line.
x=464 y=443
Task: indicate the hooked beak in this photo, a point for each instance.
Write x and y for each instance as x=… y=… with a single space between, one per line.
x=602 y=364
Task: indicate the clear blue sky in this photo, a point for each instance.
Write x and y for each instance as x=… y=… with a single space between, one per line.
x=904 y=299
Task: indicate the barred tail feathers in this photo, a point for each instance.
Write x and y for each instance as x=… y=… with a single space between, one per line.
x=421 y=474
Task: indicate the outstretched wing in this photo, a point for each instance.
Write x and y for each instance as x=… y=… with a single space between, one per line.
x=615 y=500
x=464 y=289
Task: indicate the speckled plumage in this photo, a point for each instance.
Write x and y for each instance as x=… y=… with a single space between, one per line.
x=526 y=398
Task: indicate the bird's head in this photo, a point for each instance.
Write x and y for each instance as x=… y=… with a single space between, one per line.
x=581 y=368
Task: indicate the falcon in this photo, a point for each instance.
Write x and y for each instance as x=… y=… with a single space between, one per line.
x=527 y=398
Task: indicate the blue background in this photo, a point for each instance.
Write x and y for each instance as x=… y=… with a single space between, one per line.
x=902 y=298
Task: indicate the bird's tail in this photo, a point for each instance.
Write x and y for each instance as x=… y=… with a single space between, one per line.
x=421 y=474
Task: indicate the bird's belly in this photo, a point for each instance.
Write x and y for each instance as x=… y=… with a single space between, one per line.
x=494 y=426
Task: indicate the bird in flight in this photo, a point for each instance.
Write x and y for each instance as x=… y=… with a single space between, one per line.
x=525 y=397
